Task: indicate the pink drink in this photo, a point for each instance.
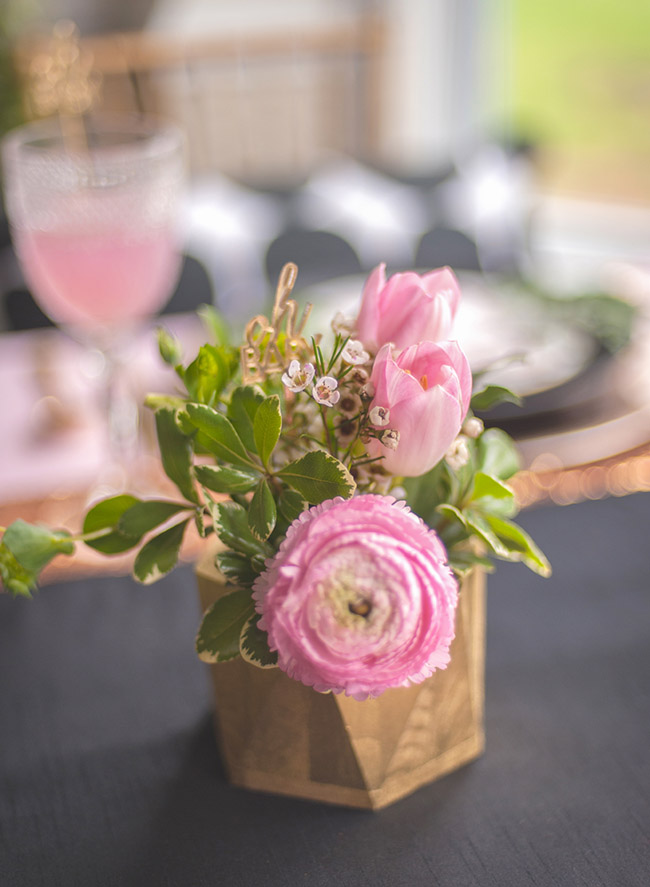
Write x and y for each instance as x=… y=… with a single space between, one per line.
x=103 y=278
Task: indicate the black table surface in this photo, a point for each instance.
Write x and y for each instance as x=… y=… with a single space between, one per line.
x=109 y=773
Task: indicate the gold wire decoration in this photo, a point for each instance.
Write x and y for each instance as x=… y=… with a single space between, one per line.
x=63 y=82
x=261 y=355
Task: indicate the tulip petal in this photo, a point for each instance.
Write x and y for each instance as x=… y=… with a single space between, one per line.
x=369 y=313
x=443 y=282
x=427 y=390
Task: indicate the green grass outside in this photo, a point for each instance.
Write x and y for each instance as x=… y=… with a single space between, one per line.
x=582 y=73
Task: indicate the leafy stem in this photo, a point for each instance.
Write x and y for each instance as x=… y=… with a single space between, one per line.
x=331 y=443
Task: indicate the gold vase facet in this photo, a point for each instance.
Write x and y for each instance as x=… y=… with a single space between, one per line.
x=277 y=735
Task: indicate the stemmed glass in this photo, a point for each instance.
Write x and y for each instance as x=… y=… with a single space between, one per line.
x=94 y=226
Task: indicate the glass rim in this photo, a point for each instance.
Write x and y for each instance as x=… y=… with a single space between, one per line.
x=135 y=136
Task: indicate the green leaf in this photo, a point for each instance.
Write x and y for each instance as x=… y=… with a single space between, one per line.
x=262 y=513
x=105 y=515
x=34 y=546
x=215 y=323
x=463 y=561
x=164 y=402
x=452 y=513
x=291 y=505
x=209 y=373
x=424 y=493
x=236 y=567
x=202 y=528
x=242 y=408
x=254 y=645
x=231 y=526
x=225 y=480
x=15 y=577
x=497 y=454
x=491 y=396
x=318 y=476
x=492 y=496
x=159 y=555
x=221 y=437
x=481 y=528
x=267 y=427
x=218 y=636
x=169 y=347
x=143 y=517
x=450 y=524
x=175 y=453
x=519 y=546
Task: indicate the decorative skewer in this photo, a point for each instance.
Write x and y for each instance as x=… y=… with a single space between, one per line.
x=261 y=355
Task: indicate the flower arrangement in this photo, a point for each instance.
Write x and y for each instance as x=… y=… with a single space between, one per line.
x=346 y=477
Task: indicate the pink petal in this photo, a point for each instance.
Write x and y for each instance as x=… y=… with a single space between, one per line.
x=369 y=312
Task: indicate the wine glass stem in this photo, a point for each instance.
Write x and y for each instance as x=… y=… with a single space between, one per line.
x=121 y=412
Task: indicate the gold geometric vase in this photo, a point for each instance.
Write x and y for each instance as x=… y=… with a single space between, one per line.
x=276 y=735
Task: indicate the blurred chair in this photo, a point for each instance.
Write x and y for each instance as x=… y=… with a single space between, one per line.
x=445 y=246
x=320 y=255
x=259 y=106
x=380 y=217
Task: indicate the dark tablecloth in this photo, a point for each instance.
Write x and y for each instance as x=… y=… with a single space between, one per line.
x=109 y=773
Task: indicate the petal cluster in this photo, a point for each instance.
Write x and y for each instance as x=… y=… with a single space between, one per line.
x=407 y=307
x=426 y=391
x=359 y=598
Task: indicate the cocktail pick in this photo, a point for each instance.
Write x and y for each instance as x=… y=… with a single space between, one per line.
x=270 y=345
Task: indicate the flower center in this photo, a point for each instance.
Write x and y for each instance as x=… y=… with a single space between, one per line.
x=349 y=599
x=362 y=608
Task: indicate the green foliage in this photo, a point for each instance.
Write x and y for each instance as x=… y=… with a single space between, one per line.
x=159 y=555
x=34 y=546
x=169 y=347
x=105 y=516
x=222 y=439
x=253 y=645
x=317 y=476
x=209 y=373
x=25 y=550
x=519 y=545
x=291 y=505
x=231 y=526
x=242 y=409
x=175 y=453
x=609 y=320
x=262 y=511
x=470 y=508
x=497 y=455
x=143 y=517
x=237 y=568
x=424 y=493
x=266 y=427
x=225 y=480
x=15 y=578
x=215 y=323
x=220 y=631
x=491 y=496
x=491 y=396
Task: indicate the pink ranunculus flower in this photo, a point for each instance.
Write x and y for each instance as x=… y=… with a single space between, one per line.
x=359 y=598
x=426 y=390
x=407 y=308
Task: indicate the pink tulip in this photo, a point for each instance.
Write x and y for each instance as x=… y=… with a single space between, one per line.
x=408 y=308
x=426 y=391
